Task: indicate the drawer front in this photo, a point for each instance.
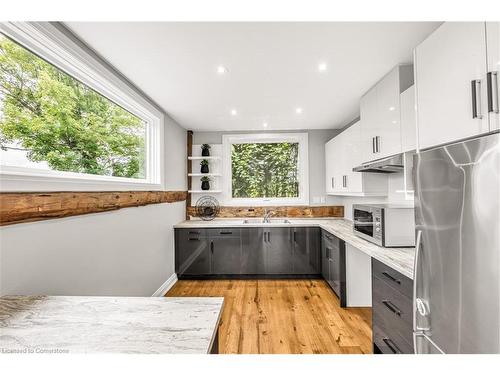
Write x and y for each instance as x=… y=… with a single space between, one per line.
x=390 y=302
x=390 y=344
x=184 y=233
x=396 y=280
x=224 y=232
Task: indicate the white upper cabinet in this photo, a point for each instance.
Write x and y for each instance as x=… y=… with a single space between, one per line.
x=380 y=114
x=408 y=123
x=493 y=79
x=450 y=65
x=342 y=154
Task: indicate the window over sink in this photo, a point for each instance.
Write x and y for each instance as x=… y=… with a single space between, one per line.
x=266 y=169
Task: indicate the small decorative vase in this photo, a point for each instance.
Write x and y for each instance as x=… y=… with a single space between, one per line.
x=204 y=168
x=205 y=185
x=205 y=152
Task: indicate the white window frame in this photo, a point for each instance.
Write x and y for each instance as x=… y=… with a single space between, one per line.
x=300 y=138
x=53 y=45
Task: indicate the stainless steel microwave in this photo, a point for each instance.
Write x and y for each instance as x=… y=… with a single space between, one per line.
x=385 y=224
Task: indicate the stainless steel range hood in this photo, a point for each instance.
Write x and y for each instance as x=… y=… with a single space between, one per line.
x=392 y=164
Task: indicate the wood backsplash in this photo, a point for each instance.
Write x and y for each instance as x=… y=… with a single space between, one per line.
x=278 y=211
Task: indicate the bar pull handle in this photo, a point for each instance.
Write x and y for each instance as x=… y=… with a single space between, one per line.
x=294 y=236
x=269 y=236
x=226 y=232
x=212 y=247
x=390 y=344
x=333 y=182
x=492 y=84
x=194 y=232
x=377 y=144
x=392 y=307
x=476 y=99
x=373 y=145
x=390 y=277
x=194 y=239
x=344 y=181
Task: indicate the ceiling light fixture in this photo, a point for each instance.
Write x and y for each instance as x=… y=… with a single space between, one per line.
x=322 y=67
x=264 y=124
x=233 y=112
x=221 y=69
x=298 y=110
x=392 y=108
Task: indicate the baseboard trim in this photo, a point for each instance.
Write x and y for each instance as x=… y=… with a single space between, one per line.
x=166 y=286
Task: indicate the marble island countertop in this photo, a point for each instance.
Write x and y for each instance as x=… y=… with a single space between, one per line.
x=142 y=325
x=401 y=259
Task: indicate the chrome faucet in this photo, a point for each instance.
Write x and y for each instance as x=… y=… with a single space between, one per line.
x=267 y=215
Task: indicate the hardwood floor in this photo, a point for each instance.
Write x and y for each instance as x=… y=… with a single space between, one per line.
x=283 y=316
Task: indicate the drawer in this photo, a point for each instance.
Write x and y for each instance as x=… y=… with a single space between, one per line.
x=224 y=232
x=390 y=344
x=388 y=301
x=396 y=280
x=184 y=233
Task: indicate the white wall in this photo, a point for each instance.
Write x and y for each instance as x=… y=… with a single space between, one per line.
x=128 y=252
x=317 y=140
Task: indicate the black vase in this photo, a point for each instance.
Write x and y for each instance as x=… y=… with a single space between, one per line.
x=205 y=152
x=205 y=185
x=204 y=168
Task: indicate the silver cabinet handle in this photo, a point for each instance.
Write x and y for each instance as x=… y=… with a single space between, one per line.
x=476 y=98
x=333 y=182
x=492 y=84
x=377 y=144
x=344 y=181
x=373 y=145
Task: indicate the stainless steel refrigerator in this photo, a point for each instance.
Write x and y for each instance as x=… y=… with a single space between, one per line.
x=457 y=264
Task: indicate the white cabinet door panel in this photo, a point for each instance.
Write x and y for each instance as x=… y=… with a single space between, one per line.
x=408 y=123
x=369 y=124
x=493 y=50
x=446 y=62
x=388 y=128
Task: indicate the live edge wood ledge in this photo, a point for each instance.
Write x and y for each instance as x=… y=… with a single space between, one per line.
x=28 y=206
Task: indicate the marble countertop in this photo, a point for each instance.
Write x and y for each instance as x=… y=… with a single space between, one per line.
x=401 y=259
x=142 y=325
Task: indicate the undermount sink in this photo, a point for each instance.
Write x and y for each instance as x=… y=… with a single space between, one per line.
x=271 y=221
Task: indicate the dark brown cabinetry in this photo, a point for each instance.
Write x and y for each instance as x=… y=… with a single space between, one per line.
x=248 y=252
x=392 y=310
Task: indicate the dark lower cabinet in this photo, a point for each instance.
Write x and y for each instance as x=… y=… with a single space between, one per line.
x=248 y=252
x=194 y=259
x=278 y=251
x=253 y=255
x=391 y=310
x=306 y=244
x=333 y=267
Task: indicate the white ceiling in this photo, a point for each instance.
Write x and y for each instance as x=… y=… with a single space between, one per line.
x=272 y=68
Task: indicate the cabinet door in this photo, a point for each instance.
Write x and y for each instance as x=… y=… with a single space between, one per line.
x=388 y=129
x=329 y=166
x=333 y=163
x=226 y=255
x=352 y=182
x=191 y=253
x=408 y=123
x=369 y=124
x=278 y=251
x=252 y=251
x=493 y=47
x=306 y=251
x=324 y=257
x=446 y=63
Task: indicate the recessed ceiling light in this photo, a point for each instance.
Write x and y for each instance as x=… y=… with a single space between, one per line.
x=392 y=108
x=298 y=110
x=221 y=69
x=264 y=124
x=234 y=112
x=322 y=67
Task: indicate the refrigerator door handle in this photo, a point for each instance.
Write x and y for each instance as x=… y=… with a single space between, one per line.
x=415 y=279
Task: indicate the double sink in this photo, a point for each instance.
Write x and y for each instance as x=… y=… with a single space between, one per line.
x=268 y=221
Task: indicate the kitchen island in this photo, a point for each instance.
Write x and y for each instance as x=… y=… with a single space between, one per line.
x=140 y=325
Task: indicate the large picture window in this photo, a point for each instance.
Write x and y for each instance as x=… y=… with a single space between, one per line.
x=266 y=169
x=67 y=121
x=50 y=120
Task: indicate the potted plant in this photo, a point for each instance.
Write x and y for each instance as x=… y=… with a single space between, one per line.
x=205 y=183
x=204 y=166
x=205 y=149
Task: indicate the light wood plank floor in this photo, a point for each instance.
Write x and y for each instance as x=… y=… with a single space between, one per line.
x=283 y=316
